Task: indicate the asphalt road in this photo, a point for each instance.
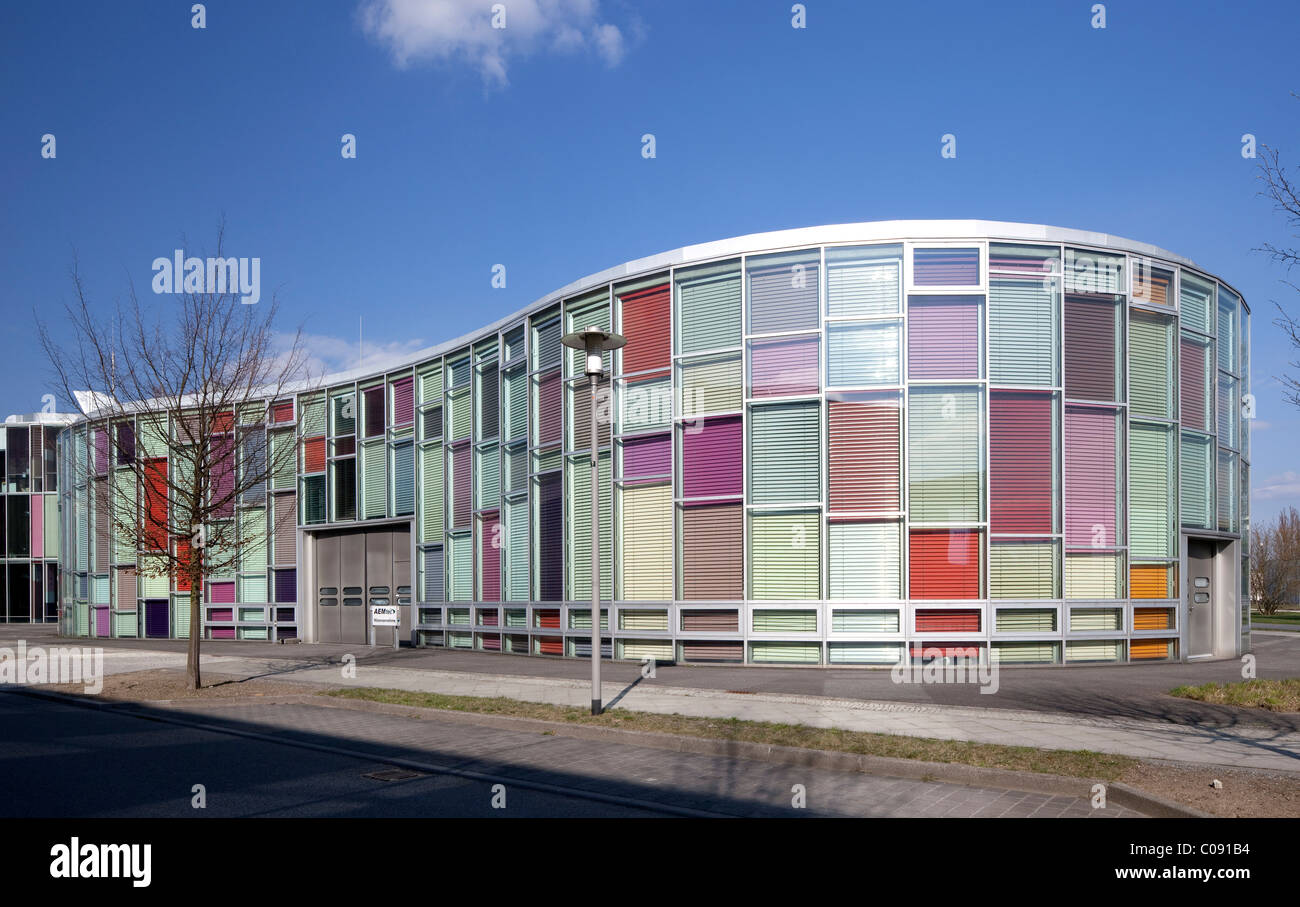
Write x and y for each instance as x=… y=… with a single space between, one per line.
x=63 y=760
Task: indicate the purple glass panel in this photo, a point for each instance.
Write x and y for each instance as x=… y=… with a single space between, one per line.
x=103 y=622
x=156 y=623
x=648 y=456
x=221 y=632
x=943 y=336
x=712 y=462
x=945 y=267
x=286 y=585
x=779 y=368
x=550 y=544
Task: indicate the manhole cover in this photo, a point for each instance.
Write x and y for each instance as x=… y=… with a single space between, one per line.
x=393 y=774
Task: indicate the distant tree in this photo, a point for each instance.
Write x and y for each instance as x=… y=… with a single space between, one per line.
x=190 y=376
x=1275 y=563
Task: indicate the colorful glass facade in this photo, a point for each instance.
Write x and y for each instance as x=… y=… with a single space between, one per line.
x=840 y=445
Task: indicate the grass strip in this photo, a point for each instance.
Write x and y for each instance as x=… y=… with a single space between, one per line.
x=1072 y=763
x=1273 y=695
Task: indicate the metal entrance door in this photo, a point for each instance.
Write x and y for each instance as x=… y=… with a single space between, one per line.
x=1200 y=597
x=357 y=569
x=329 y=623
x=352 y=583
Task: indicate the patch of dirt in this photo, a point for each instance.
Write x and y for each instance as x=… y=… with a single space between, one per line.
x=170 y=683
x=1245 y=793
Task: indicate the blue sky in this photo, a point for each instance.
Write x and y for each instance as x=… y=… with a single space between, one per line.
x=522 y=147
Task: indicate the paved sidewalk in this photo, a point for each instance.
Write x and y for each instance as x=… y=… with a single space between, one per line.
x=1257 y=746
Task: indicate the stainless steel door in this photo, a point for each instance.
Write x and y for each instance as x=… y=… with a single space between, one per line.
x=352 y=580
x=1200 y=597
x=329 y=626
x=379 y=579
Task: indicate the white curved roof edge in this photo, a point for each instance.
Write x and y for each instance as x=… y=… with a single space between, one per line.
x=773 y=240
x=866 y=231
x=41 y=418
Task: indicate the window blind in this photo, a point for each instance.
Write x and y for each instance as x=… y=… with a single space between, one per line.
x=1024 y=569
x=1151 y=496
x=708 y=305
x=1151 y=365
x=783 y=291
x=944 y=467
x=863 y=355
x=864 y=457
x=785 y=555
x=1022 y=331
x=1022 y=462
x=1091 y=477
x=785 y=453
x=944 y=337
x=866 y=560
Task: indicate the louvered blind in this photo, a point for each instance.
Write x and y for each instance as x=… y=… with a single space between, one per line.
x=1022 y=462
x=945 y=267
x=1024 y=569
x=646 y=321
x=783 y=291
x=1026 y=620
x=490 y=544
x=712 y=462
x=646 y=543
x=1090 y=348
x=1091 y=477
x=785 y=453
x=708 y=305
x=546 y=343
x=580 y=527
x=1196 y=476
x=712 y=539
x=404 y=478
x=1151 y=364
x=516 y=400
x=460 y=486
x=863 y=282
x=771 y=620
x=1096 y=620
x=944 y=474
x=783 y=368
x=864 y=457
x=863 y=355
x=431 y=500
x=488 y=475
x=489 y=414
x=516 y=553
x=1022 y=331
x=944 y=335
x=374 y=480
x=1229 y=304
x=712 y=384
x=1092 y=575
x=844 y=620
x=647 y=456
x=1196 y=303
x=866 y=560
x=1194 y=381
x=460 y=555
x=1151 y=496
x=549 y=555
x=944 y=563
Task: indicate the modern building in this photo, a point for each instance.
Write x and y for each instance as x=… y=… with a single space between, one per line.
x=29 y=518
x=839 y=445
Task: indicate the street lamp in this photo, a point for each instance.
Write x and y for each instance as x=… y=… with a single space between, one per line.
x=593 y=342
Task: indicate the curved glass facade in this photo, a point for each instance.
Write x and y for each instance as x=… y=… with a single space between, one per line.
x=824 y=446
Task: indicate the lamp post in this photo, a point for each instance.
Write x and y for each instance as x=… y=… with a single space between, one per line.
x=593 y=342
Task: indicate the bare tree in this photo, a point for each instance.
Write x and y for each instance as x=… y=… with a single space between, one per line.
x=1275 y=563
x=1283 y=190
x=180 y=427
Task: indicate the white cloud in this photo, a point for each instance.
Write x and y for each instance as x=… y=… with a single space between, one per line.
x=327 y=355
x=1275 y=487
x=460 y=31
